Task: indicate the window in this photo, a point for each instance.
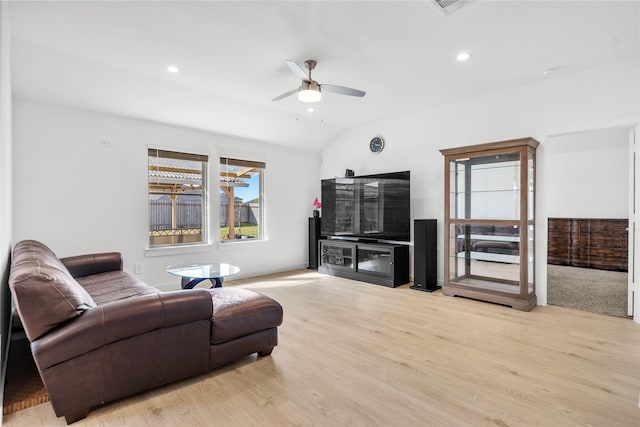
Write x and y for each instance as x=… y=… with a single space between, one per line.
x=240 y=199
x=177 y=198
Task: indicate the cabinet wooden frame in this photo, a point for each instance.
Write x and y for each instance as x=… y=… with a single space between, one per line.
x=523 y=150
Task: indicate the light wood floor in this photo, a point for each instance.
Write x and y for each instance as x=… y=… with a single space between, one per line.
x=356 y=354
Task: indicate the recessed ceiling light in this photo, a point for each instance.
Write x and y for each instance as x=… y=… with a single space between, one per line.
x=310 y=109
x=172 y=69
x=463 y=56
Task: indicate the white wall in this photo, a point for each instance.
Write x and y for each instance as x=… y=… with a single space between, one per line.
x=598 y=97
x=5 y=187
x=588 y=174
x=79 y=197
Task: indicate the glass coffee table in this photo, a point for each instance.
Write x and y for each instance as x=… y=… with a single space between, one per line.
x=196 y=272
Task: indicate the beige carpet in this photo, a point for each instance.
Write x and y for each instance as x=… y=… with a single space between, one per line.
x=23 y=387
x=587 y=289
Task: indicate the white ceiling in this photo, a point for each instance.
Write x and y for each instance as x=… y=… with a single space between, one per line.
x=112 y=57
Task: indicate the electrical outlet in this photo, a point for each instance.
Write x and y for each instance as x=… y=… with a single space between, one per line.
x=104 y=144
x=137 y=268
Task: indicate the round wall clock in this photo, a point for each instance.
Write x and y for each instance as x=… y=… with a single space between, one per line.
x=376 y=145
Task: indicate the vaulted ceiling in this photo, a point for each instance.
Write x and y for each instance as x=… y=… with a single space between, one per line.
x=113 y=57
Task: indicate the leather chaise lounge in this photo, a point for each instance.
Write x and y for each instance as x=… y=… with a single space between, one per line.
x=98 y=334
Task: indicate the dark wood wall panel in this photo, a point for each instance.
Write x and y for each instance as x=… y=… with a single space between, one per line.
x=588 y=242
x=559 y=241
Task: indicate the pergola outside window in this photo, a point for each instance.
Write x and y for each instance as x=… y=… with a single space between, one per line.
x=240 y=199
x=177 y=198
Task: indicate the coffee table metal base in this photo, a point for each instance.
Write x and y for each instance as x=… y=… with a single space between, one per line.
x=190 y=283
x=195 y=272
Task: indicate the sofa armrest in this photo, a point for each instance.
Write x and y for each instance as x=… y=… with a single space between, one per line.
x=86 y=265
x=119 y=320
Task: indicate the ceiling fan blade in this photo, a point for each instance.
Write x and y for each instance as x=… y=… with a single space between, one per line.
x=284 y=95
x=297 y=70
x=342 y=90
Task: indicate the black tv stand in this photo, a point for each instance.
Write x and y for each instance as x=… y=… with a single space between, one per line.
x=379 y=263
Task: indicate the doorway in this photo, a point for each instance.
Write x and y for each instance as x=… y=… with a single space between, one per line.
x=588 y=211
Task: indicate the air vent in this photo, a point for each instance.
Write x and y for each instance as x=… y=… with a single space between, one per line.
x=449 y=6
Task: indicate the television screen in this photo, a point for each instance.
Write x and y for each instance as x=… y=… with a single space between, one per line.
x=373 y=207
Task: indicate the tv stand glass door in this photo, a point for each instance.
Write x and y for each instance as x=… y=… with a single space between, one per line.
x=374 y=260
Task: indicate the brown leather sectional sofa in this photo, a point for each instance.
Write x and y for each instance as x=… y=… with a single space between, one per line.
x=98 y=334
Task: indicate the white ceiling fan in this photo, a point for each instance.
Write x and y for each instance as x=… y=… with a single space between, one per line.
x=310 y=90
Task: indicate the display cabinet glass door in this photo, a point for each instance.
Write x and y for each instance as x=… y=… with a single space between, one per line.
x=485 y=187
x=485 y=256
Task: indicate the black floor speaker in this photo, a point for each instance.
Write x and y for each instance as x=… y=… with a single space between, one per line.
x=314 y=236
x=425 y=255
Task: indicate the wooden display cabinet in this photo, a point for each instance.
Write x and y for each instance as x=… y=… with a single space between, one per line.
x=489 y=222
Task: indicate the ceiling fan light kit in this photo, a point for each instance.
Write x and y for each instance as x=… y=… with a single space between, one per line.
x=310 y=90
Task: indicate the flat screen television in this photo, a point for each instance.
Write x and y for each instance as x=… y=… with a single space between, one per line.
x=372 y=207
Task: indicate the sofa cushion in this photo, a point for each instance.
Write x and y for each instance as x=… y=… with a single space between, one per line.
x=44 y=292
x=113 y=286
x=238 y=312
